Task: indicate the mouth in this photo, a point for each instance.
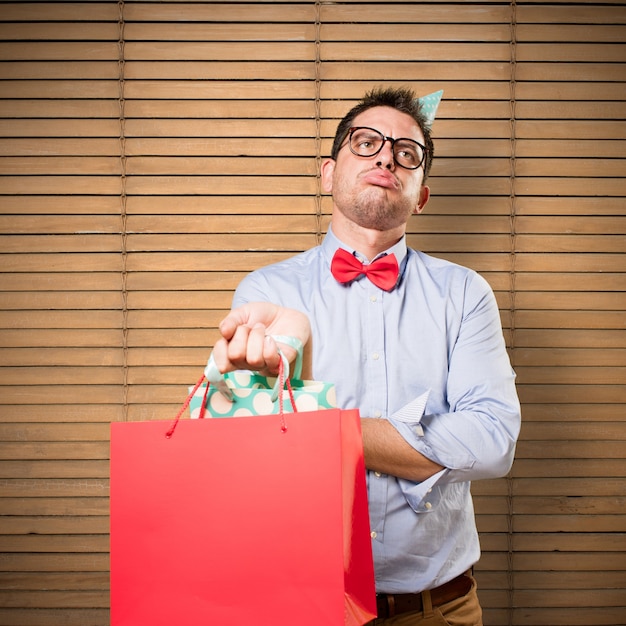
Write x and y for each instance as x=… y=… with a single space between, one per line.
x=381 y=178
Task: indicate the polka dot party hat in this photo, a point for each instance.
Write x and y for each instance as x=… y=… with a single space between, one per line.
x=429 y=105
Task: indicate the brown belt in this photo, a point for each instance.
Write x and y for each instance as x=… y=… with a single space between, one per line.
x=390 y=604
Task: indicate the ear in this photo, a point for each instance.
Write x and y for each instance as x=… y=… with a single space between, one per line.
x=423 y=199
x=327 y=170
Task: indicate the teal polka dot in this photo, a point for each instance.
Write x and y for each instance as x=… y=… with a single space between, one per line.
x=429 y=104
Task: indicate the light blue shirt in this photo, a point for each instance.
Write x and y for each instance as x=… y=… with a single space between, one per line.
x=430 y=357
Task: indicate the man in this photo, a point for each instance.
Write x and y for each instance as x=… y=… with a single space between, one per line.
x=420 y=353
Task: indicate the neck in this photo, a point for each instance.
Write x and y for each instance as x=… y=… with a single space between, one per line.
x=366 y=241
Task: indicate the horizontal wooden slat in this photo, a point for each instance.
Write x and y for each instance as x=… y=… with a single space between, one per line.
x=352 y=51
x=65 y=31
x=59 y=128
x=398 y=13
x=430 y=75
x=234 y=12
x=42 y=204
x=69 y=562
x=61 y=11
x=571 y=376
x=221 y=89
x=563 y=394
x=52 y=617
x=575 y=262
x=69 y=108
x=226 y=51
x=570 y=225
x=555 y=300
x=576 y=411
x=55 y=450
x=550 y=542
x=82 y=165
x=420 y=31
x=228 y=31
x=60 y=375
x=60 y=77
x=51 y=488
x=563 y=468
x=568 y=32
x=59 y=600
x=575 y=14
x=570 y=148
x=63 y=412
x=562 y=91
x=81 y=243
x=55 y=580
x=571 y=450
x=570 y=243
x=601 y=168
x=553 y=580
x=53 y=469
x=569 y=523
x=567 y=71
x=230 y=108
x=61 y=51
x=574 y=281
x=254 y=185
x=62 y=338
x=61 y=319
x=557 y=206
x=570 y=356
x=596 y=52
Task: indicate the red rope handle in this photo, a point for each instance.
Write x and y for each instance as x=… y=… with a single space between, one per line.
x=204 y=398
x=282 y=383
x=170 y=432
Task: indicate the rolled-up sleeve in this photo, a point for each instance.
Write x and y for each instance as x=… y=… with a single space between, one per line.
x=476 y=438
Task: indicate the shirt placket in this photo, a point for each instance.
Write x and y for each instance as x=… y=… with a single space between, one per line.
x=375 y=405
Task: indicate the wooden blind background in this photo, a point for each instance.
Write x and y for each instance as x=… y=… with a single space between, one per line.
x=153 y=153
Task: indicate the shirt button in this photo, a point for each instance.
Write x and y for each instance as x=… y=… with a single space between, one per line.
x=373 y=298
x=377 y=474
x=375 y=356
x=428 y=505
x=378 y=414
x=373 y=534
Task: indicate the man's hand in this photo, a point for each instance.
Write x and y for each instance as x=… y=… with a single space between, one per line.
x=246 y=341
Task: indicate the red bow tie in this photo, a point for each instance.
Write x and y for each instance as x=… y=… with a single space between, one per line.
x=383 y=272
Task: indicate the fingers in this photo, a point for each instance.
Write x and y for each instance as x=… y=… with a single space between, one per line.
x=271 y=355
x=229 y=325
x=250 y=315
x=246 y=347
x=244 y=343
x=249 y=349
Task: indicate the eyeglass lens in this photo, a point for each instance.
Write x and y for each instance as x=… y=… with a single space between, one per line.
x=368 y=142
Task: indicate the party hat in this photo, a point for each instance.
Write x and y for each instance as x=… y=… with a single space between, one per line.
x=429 y=105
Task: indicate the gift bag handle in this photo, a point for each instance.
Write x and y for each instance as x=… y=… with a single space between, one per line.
x=297 y=345
x=282 y=380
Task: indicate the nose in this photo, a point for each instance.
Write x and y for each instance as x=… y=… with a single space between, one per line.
x=385 y=156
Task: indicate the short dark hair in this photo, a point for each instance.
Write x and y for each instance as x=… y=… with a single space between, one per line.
x=400 y=98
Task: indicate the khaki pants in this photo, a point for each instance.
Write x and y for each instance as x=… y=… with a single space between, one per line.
x=464 y=611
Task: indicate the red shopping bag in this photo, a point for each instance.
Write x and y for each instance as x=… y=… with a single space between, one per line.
x=241 y=521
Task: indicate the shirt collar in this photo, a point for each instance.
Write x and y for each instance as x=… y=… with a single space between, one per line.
x=332 y=242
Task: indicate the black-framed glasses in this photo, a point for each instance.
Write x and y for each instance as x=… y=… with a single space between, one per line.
x=368 y=142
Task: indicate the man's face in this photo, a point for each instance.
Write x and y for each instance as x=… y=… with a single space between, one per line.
x=374 y=192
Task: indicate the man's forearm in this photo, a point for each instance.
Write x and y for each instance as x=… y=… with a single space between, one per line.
x=388 y=453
